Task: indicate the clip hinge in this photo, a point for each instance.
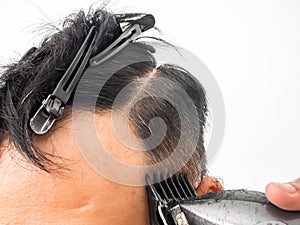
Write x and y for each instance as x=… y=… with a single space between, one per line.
x=50 y=110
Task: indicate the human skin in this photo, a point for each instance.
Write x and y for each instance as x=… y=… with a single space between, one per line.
x=75 y=196
x=78 y=195
x=285 y=195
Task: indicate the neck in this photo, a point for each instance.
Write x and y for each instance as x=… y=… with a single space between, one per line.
x=30 y=196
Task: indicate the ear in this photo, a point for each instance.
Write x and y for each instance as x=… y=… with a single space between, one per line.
x=207 y=185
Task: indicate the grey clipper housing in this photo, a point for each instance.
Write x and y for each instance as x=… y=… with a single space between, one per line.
x=175 y=202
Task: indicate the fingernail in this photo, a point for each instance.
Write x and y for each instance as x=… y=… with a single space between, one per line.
x=287 y=188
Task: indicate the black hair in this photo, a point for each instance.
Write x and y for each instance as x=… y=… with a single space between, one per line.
x=25 y=84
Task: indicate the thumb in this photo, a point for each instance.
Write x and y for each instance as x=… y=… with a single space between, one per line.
x=285 y=195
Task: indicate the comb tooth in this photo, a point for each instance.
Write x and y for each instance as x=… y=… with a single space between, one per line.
x=190 y=187
x=174 y=186
x=186 y=187
x=194 y=193
x=180 y=188
x=169 y=189
x=163 y=187
x=153 y=188
x=162 y=190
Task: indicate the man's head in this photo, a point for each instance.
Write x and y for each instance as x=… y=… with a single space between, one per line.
x=53 y=163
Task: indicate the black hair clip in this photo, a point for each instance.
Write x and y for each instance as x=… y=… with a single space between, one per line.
x=130 y=33
x=52 y=107
x=28 y=53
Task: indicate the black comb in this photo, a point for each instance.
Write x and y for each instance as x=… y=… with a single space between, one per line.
x=176 y=187
x=167 y=193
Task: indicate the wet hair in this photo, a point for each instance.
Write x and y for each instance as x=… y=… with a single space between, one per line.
x=25 y=84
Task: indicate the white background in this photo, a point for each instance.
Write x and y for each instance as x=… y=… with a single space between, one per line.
x=251 y=46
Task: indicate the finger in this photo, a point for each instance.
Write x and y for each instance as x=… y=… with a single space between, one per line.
x=285 y=196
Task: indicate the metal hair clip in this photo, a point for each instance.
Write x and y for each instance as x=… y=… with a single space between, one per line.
x=52 y=107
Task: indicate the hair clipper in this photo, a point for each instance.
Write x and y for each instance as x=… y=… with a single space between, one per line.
x=175 y=202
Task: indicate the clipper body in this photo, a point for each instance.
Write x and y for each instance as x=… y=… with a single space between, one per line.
x=173 y=202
